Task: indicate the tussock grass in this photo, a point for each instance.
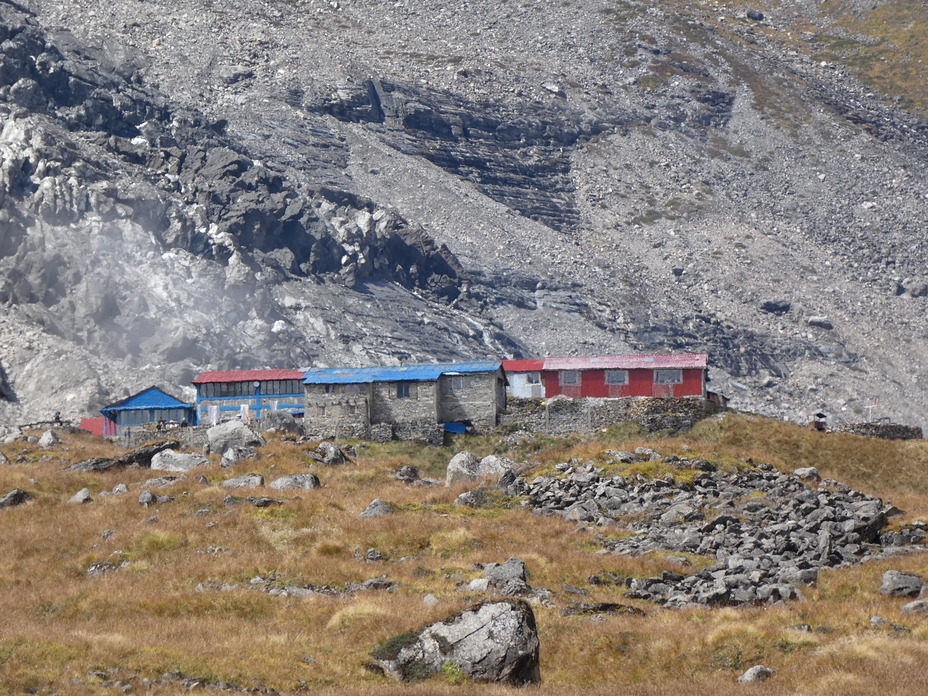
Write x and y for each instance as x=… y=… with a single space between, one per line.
x=146 y=614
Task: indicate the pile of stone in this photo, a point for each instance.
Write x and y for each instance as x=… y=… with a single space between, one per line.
x=884 y=431
x=767 y=530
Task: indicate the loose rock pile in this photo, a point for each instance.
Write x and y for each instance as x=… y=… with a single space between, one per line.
x=769 y=531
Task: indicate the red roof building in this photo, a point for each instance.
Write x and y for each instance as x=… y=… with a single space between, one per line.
x=609 y=376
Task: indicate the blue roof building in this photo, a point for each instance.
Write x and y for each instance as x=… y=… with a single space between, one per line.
x=148 y=406
x=413 y=402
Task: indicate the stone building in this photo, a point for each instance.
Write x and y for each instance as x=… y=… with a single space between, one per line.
x=408 y=402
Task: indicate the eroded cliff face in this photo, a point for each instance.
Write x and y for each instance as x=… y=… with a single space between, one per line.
x=185 y=187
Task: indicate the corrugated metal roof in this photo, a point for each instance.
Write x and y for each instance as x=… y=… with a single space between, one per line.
x=617 y=362
x=145 y=399
x=396 y=373
x=248 y=376
x=523 y=365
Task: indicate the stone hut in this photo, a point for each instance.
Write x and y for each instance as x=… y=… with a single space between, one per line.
x=408 y=402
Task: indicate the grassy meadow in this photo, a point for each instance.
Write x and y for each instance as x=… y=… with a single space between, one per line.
x=63 y=628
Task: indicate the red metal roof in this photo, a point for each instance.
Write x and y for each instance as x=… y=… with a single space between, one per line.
x=523 y=365
x=611 y=362
x=248 y=376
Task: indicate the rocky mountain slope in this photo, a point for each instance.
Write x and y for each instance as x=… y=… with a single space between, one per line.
x=187 y=186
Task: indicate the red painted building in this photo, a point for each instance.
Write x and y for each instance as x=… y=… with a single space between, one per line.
x=609 y=376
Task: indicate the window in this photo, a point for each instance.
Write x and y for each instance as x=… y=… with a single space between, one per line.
x=616 y=376
x=458 y=383
x=320 y=411
x=533 y=378
x=570 y=378
x=402 y=390
x=668 y=376
x=352 y=409
x=349 y=388
x=331 y=389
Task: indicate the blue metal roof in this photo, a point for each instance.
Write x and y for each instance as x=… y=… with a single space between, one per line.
x=396 y=373
x=145 y=399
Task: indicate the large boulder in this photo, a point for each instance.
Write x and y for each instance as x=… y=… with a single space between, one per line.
x=171 y=460
x=330 y=454
x=465 y=467
x=304 y=482
x=494 y=641
x=15 y=497
x=142 y=456
x=232 y=433
x=278 y=422
x=49 y=439
x=899 y=584
x=246 y=481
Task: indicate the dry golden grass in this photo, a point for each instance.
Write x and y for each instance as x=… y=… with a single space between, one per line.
x=146 y=616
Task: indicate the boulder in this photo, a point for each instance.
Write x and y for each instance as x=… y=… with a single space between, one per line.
x=808 y=473
x=3 y=459
x=142 y=456
x=465 y=467
x=507 y=579
x=15 y=497
x=171 y=460
x=898 y=584
x=406 y=474
x=234 y=455
x=232 y=433
x=757 y=673
x=49 y=439
x=377 y=508
x=462 y=468
x=494 y=641
x=246 y=481
x=94 y=464
x=81 y=497
x=330 y=454
x=120 y=489
x=278 y=422
x=303 y=482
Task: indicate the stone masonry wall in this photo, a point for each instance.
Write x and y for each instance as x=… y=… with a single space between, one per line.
x=192 y=438
x=886 y=431
x=569 y=416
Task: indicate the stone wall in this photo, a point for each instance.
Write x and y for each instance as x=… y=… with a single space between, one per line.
x=472 y=398
x=192 y=438
x=569 y=416
x=886 y=431
x=337 y=415
x=421 y=404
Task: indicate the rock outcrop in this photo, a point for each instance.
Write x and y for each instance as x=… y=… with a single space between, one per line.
x=495 y=641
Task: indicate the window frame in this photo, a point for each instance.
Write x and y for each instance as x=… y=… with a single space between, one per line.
x=403 y=390
x=562 y=378
x=668 y=376
x=609 y=378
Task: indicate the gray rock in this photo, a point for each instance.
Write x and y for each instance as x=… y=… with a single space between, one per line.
x=406 y=474
x=146 y=498
x=49 y=439
x=246 y=481
x=757 y=673
x=234 y=455
x=377 y=508
x=304 y=482
x=755 y=15
x=916 y=606
x=278 y=422
x=507 y=579
x=3 y=459
x=808 y=473
x=120 y=489
x=171 y=460
x=94 y=464
x=462 y=469
x=820 y=322
x=233 y=433
x=494 y=641
x=898 y=584
x=477 y=498
x=15 y=497
x=430 y=600
x=330 y=454
x=81 y=497
x=494 y=465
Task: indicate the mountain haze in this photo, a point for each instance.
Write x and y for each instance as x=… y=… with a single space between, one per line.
x=195 y=185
